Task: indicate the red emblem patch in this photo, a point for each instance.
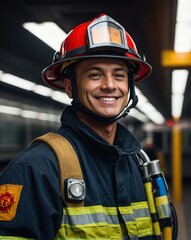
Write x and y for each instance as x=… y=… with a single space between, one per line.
x=9 y=199
x=6 y=202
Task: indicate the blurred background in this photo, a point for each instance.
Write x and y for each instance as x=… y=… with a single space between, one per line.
x=31 y=31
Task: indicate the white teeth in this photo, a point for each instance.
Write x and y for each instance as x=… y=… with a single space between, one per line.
x=107 y=99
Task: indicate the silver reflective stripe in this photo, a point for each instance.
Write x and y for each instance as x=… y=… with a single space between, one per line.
x=138 y=213
x=103 y=217
x=164 y=211
x=90 y=218
x=142 y=213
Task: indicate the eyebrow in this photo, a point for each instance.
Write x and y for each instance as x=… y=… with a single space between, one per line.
x=115 y=69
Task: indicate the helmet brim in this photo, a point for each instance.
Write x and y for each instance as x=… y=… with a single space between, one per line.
x=51 y=75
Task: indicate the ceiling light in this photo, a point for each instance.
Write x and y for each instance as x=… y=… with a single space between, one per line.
x=183 y=26
x=36 y=88
x=48 y=32
x=48 y=117
x=182 y=38
x=29 y=113
x=179 y=81
x=10 y=110
x=182 y=43
x=177 y=103
x=148 y=109
x=16 y=81
x=156 y=117
x=45 y=91
x=138 y=115
x=61 y=97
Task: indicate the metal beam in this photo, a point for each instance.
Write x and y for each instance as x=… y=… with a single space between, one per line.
x=176 y=59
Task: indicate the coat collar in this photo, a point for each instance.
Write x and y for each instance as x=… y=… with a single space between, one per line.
x=124 y=140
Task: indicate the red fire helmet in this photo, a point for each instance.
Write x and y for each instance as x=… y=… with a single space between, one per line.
x=101 y=37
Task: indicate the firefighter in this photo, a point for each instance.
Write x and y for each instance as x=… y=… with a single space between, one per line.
x=97 y=66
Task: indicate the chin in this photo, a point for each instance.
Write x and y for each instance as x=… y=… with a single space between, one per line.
x=108 y=115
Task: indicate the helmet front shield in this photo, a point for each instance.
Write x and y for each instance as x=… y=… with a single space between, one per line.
x=106 y=32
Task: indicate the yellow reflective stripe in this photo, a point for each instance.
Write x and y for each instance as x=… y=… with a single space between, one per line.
x=144 y=227
x=140 y=228
x=134 y=206
x=90 y=210
x=87 y=232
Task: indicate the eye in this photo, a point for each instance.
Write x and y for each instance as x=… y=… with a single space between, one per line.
x=95 y=75
x=120 y=75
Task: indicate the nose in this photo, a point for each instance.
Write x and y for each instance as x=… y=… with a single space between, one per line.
x=108 y=83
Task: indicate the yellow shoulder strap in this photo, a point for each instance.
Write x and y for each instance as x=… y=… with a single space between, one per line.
x=67 y=160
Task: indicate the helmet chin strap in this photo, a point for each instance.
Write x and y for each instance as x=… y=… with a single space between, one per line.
x=78 y=106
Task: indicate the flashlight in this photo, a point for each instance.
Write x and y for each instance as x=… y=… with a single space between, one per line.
x=75 y=190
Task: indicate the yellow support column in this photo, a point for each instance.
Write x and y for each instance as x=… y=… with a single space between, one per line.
x=176 y=162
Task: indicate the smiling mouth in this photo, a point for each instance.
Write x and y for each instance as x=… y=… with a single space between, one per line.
x=107 y=99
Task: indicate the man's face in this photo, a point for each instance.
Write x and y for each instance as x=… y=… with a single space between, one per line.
x=102 y=85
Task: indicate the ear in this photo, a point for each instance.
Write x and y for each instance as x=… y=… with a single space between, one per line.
x=68 y=87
